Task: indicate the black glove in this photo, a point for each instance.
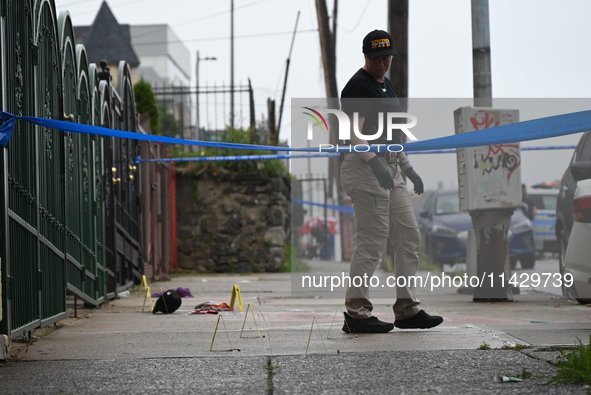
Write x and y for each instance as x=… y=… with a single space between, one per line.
x=382 y=173
x=416 y=180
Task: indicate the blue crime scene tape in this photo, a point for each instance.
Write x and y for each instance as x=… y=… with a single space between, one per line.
x=535 y=129
x=139 y=160
x=344 y=209
x=7 y=127
x=553 y=126
x=453 y=151
x=235 y=157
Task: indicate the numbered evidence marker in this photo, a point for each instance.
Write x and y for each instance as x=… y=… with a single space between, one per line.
x=236 y=296
x=147 y=294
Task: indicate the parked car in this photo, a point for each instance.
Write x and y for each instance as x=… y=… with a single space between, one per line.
x=444 y=231
x=544 y=197
x=573 y=222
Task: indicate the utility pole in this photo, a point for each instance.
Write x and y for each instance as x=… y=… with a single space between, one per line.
x=232 y=64
x=273 y=133
x=490 y=226
x=398 y=73
x=481 y=54
x=398 y=29
x=198 y=119
x=276 y=138
x=327 y=47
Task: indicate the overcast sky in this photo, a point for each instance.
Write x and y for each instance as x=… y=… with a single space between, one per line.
x=539 y=49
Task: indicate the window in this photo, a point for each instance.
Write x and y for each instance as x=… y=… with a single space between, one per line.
x=448 y=204
x=544 y=202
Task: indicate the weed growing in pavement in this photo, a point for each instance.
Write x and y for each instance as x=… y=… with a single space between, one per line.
x=293 y=263
x=484 y=346
x=517 y=347
x=575 y=365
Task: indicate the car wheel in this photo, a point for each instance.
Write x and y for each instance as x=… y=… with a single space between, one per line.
x=575 y=295
x=583 y=301
x=527 y=261
x=569 y=292
x=561 y=264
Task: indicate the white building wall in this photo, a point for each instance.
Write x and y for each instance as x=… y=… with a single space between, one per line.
x=165 y=61
x=163 y=57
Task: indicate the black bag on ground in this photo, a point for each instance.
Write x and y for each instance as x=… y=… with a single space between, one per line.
x=168 y=302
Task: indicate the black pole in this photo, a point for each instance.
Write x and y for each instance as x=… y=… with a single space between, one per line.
x=232 y=64
x=325 y=256
x=286 y=73
x=251 y=104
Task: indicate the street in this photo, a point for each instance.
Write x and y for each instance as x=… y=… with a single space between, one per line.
x=543 y=277
x=546 y=267
x=119 y=349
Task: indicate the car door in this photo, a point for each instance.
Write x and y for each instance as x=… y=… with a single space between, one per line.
x=568 y=186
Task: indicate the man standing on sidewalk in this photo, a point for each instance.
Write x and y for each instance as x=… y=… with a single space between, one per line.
x=374 y=182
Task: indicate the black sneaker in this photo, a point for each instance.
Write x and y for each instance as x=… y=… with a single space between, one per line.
x=366 y=325
x=421 y=320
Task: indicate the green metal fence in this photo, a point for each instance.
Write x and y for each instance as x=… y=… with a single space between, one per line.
x=70 y=215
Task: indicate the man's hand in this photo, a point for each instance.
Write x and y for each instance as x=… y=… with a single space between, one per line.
x=416 y=180
x=382 y=172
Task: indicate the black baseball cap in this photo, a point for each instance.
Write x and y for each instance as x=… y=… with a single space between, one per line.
x=378 y=43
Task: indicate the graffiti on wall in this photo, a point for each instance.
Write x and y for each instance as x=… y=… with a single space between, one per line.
x=503 y=157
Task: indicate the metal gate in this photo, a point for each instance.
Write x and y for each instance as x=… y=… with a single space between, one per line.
x=70 y=212
x=126 y=265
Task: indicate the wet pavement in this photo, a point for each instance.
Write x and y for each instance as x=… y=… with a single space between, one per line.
x=291 y=341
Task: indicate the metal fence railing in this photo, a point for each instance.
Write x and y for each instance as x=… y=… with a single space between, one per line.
x=70 y=217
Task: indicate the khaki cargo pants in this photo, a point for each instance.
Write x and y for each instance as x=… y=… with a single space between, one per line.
x=380 y=215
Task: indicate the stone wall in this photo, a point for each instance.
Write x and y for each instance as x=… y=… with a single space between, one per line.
x=230 y=223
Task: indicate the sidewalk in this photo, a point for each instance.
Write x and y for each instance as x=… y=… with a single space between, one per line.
x=302 y=348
